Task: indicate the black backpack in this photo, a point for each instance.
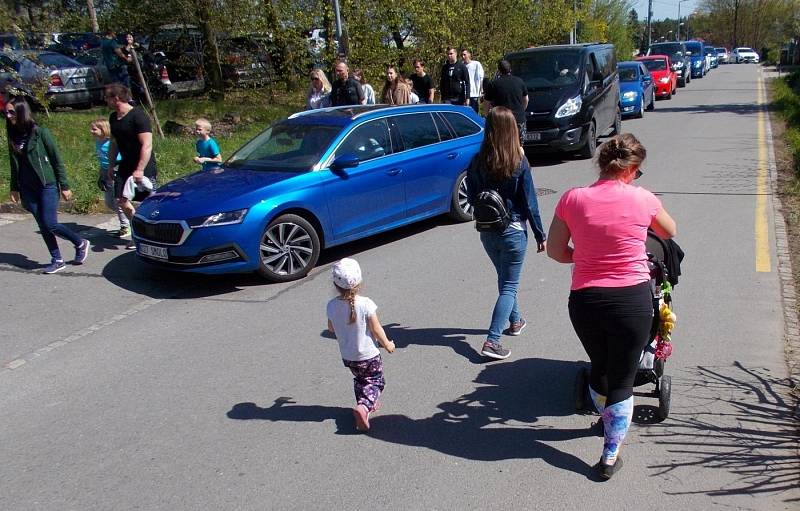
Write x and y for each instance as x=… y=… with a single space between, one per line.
x=490 y=212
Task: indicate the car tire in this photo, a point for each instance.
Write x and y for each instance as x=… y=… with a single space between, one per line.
x=590 y=148
x=669 y=96
x=460 y=208
x=640 y=114
x=652 y=102
x=288 y=249
x=617 y=128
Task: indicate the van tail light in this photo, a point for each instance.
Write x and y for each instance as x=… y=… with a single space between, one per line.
x=164 y=76
x=55 y=80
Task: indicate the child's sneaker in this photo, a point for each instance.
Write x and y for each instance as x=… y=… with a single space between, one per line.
x=130 y=245
x=123 y=232
x=82 y=252
x=55 y=266
x=516 y=327
x=361 y=415
x=495 y=351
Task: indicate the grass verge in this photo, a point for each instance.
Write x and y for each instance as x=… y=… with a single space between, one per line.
x=241 y=116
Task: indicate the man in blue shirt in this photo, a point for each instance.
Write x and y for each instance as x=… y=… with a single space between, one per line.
x=114 y=59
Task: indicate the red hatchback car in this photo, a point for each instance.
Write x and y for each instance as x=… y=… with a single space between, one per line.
x=664 y=78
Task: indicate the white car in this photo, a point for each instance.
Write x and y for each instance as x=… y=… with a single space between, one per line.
x=744 y=55
x=722 y=55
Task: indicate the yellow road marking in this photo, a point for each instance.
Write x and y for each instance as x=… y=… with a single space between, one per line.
x=763 y=262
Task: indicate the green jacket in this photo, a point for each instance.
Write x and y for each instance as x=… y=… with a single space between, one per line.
x=44 y=158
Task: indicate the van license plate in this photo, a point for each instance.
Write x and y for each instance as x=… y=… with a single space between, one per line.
x=533 y=136
x=155 y=252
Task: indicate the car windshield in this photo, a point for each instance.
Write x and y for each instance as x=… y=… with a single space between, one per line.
x=287 y=147
x=720 y=51
x=743 y=50
x=694 y=48
x=709 y=51
x=628 y=74
x=655 y=65
x=547 y=69
x=57 y=61
x=671 y=49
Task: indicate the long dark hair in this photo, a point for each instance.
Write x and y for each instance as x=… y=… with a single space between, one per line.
x=25 y=122
x=500 y=151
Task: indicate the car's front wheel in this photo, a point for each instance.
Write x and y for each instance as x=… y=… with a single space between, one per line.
x=460 y=208
x=288 y=249
x=591 y=142
x=617 y=129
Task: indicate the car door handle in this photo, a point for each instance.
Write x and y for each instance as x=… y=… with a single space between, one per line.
x=394 y=171
x=452 y=156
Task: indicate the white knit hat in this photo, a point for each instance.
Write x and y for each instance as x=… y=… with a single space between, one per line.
x=346 y=273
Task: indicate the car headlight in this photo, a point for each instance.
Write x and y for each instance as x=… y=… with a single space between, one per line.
x=678 y=65
x=631 y=94
x=571 y=107
x=226 y=218
x=665 y=79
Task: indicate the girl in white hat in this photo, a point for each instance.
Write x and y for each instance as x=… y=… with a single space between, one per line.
x=354 y=322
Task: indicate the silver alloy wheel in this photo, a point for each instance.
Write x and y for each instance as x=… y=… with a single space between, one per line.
x=463 y=201
x=286 y=249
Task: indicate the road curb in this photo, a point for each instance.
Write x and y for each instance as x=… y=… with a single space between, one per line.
x=788 y=291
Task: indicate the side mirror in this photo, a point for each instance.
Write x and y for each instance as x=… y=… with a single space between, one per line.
x=345 y=161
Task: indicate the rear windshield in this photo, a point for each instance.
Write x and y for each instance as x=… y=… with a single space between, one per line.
x=655 y=65
x=628 y=74
x=547 y=69
x=57 y=61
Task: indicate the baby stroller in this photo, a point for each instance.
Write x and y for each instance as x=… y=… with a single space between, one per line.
x=655 y=354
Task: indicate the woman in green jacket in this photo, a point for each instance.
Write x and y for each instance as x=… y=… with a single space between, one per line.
x=37 y=177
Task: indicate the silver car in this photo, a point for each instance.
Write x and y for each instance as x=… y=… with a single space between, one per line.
x=69 y=83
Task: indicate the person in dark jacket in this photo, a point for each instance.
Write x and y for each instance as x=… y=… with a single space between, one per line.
x=501 y=165
x=346 y=90
x=37 y=177
x=454 y=82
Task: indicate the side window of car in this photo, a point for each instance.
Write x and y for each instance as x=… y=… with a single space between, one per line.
x=462 y=126
x=441 y=126
x=367 y=141
x=417 y=130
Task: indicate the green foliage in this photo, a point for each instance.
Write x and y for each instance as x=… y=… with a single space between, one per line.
x=786 y=101
x=609 y=21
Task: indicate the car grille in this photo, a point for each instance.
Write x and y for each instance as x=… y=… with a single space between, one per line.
x=169 y=233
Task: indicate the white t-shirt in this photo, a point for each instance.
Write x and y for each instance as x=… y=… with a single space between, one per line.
x=475 y=70
x=355 y=340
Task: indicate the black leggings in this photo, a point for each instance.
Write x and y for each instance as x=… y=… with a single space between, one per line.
x=613 y=324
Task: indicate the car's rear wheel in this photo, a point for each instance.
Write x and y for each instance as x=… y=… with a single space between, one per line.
x=640 y=113
x=460 y=208
x=288 y=249
x=591 y=142
x=617 y=123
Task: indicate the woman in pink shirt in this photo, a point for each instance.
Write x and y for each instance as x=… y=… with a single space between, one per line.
x=610 y=303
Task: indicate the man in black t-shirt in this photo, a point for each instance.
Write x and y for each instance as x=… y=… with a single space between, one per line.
x=132 y=139
x=509 y=91
x=454 y=82
x=423 y=83
x=345 y=89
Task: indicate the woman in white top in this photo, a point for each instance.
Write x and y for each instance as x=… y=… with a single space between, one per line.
x=369 y=92
x=318 y=95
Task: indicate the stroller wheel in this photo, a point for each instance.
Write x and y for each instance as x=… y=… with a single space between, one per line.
x=664 y=397
x=582 y=389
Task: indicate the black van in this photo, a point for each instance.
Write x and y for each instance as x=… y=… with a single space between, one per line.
x=573 y=95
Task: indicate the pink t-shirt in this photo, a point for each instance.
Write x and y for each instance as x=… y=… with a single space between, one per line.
x=608 y=224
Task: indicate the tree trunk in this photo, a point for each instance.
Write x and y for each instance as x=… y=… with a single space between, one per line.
x=211 y=62
x=93 y=16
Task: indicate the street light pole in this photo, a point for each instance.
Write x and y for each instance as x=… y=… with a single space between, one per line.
x=679 y=18
x=340 y=49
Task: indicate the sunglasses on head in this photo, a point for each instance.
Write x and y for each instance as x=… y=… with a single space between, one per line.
x=638 y=174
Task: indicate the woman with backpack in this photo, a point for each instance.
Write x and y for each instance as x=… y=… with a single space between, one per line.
x=501 y=191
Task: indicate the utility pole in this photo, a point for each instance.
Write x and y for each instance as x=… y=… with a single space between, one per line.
x=573 y=34
x=735 y=22
x=649 y=21
x=342 y=50
x=679 y=18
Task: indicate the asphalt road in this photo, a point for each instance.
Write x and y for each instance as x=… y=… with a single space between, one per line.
x=129 y=388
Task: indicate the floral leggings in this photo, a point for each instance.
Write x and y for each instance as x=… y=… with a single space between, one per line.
x=368 y=380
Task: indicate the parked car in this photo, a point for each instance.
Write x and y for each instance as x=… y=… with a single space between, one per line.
x=181 y=53
x=665 y=80
x=696 y=50
x=25 y=40
x=746 y=55
x=314 y=180
x=573 y=96
x=711 y=54
x=636 y=89
x=246 y=60
x=70 y=83
x=679 y=57
x=722 y=55
x=71 y=43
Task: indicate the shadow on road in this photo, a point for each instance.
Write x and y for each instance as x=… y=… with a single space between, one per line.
x=740 y=420
x=20 y=261
x=496 y=421
x=454 y=338
x=733 y=108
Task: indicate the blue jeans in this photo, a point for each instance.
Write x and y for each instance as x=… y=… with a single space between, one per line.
x=43 y=205
x=507 y=252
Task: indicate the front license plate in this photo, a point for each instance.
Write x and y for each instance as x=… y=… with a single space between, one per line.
x=155 y=252
x=533 y=136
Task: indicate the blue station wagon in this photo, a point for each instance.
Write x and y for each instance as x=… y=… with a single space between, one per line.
x=317 y=179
